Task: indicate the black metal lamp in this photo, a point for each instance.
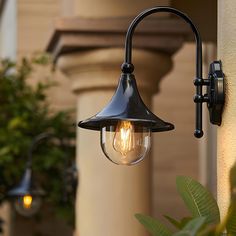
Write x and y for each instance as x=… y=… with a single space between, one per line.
x=27 y=194
x=126 y=123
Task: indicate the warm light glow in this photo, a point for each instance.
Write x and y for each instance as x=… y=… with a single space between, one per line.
x=124 y=140
x=27 y=201
x=125 y=143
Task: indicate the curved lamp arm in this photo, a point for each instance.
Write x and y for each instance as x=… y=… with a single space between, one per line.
x=142 y=15
x=127 y=67
x=70 y=175
x=35 y=142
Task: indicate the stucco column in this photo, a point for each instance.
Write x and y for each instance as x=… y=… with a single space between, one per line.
x=109 y=195
x=107 y=8
x=226 y=132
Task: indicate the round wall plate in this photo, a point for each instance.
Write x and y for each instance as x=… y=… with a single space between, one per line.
x=216 y=92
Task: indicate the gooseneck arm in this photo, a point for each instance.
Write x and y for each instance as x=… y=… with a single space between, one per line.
x=37 y=140
x=128 y=67
x=33 y=145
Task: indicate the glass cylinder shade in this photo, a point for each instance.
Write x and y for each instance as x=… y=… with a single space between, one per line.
x=27 y=205
x=125 y=143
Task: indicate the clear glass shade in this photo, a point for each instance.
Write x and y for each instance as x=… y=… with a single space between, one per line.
x=125 y=143
x=27 y=205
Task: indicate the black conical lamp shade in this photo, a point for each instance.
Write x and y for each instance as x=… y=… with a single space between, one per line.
x=26 y=186
x=126 y=104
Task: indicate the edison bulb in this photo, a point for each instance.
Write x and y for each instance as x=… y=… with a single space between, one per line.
x=27 y=205
x=27 y=201
x=125 y=143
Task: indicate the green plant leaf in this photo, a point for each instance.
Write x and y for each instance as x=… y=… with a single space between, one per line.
x=231 y=214
x=198 y=199
x=231 y=220
x=192 y=227
x=173 y=221
x=152 y=225
x=178 y=224
x=209 y=230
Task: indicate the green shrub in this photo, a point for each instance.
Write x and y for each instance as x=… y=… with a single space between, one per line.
x=25 y=113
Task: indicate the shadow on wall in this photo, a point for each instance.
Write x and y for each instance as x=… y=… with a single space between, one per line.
x=176 y=152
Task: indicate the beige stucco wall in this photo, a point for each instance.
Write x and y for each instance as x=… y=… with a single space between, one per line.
x=175 y=152
x=226 y=132
x=35 y=24
x=107 y=8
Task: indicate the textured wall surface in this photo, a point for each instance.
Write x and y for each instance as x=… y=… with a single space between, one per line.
x=175 y=152
x=108 y=8
x=226 y=133
x=35 y=24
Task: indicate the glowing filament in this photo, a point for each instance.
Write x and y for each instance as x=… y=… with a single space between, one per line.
x=27 y=201
x=124 y=138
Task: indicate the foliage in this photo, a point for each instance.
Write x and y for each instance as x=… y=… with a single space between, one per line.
x=25 y=113
x=205 y=215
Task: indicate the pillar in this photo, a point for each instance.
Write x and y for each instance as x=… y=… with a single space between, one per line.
x=109 y=195
x=226 y=143
x=107 y=8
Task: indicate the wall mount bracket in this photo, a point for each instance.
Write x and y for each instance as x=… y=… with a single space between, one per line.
x=216 y=92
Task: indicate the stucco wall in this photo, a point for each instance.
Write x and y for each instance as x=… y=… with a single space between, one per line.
x=35 y=24
x=226 y=147
x=175 y=152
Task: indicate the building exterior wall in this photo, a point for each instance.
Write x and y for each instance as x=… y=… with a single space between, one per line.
x=175 y=152
x=226 y=139
x=35 y=24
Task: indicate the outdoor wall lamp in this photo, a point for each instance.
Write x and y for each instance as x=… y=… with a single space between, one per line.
x=126 y=123
x=27 y=195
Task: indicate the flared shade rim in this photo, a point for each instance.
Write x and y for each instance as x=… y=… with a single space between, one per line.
x=17 y=192
x=96 y=123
